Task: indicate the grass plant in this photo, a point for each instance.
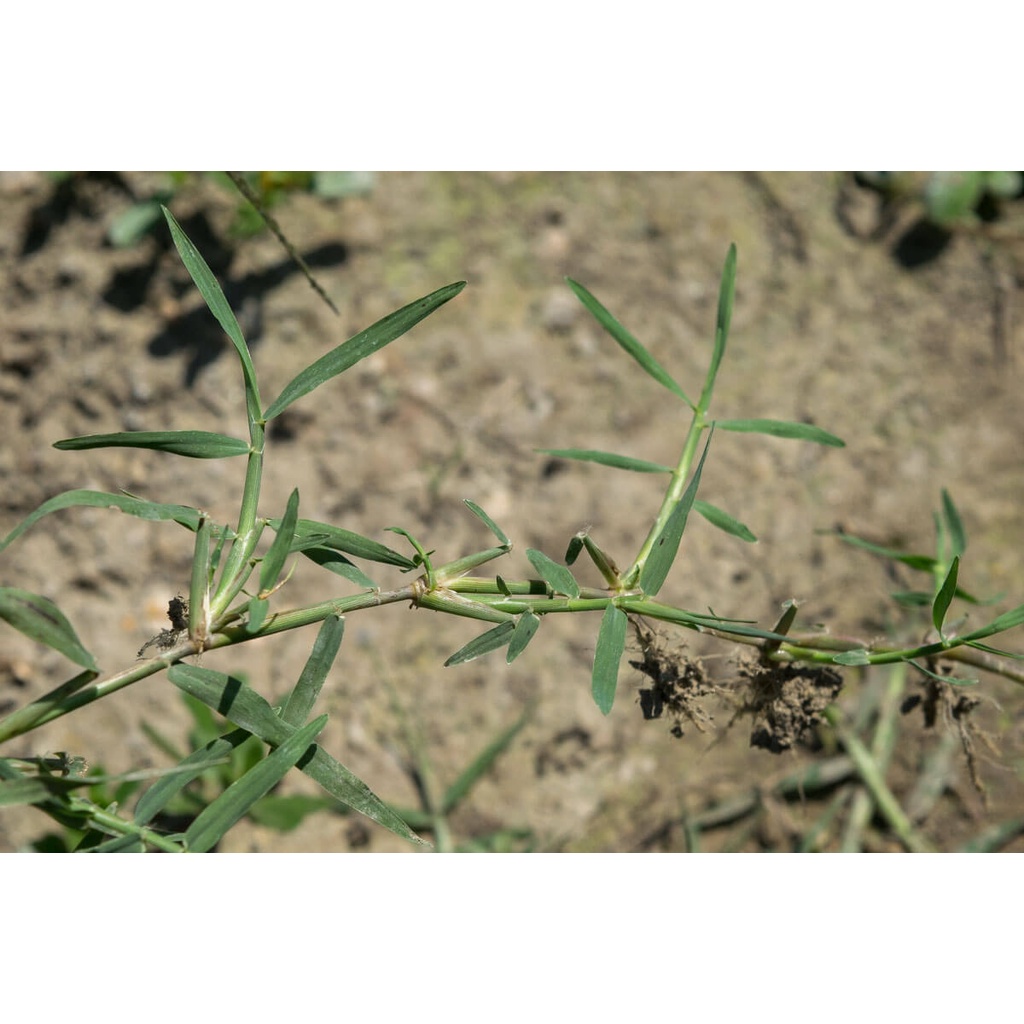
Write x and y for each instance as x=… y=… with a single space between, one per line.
x=235 y=597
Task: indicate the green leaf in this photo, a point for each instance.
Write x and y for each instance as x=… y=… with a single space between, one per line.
x=99 y=499
x=556 y=576
x=951 y=196
x=944 y=598
x=488 y=522
x=663 y=554
x=359 y=347
x=782 y=428
x=233 y=804
x=199 y=584
x=286 y=813
x=525 y=627
x=925 y=563
x=611 y=642
x=336 y=539
x=258 y=608
x=334 y=561
x=131 y=226
x=193 y=444
x=482 y=763
x=724 y=521
x=246 y=708
x=42 y=620
x=606 y=459
x=325 y=648
x=1008 y=620
x=483 y=644
x=274 y=559
x=627 y=341
x=214 y=298
x=955 y=526
x=163 y=791
x=726 y=296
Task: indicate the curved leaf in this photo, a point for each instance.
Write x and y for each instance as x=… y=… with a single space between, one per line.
x=523 y=633
x=218 y=304
x=627 y=341
x=193 y=444
x=944 y=598
x=42 y=620
x=365 y=343
x=138 y=507
x=556 y=576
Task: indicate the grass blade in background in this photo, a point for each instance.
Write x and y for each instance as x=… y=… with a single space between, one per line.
x=955 y=526
x=481 y=765
x=556 y=576
x=663 y=554
x=231 y=806
x=606 y=459
x=43 y=621
x=193 y=444
x=627 y=341
x=783 y=428
x=325 y=648
x=375 y=337
x=214 y=298
x=611 y=642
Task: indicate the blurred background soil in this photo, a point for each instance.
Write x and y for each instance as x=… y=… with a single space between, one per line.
x=902 y=343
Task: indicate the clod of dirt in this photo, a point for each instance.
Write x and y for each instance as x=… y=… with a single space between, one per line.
x=679 y=684
x=786 y=701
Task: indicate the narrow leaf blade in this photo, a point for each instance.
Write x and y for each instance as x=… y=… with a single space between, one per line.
x=483 y=644
x=714 y=515
x=944 y=598
x=193 y=444
x=234 y=803
x=726 y=296
x=218 y=304
x=39 y=618
x=556 y=576
x=325 y=648
x=488 y=522
x=382 y=333
x=606 y=459
x=248 y=710
x=274 y=559
x=663 y=554
x=138 y=507
x=783 y=428
x=627 y=341
x=522 y=635
x=611 y=642
x=957 y=534
x=350 y=543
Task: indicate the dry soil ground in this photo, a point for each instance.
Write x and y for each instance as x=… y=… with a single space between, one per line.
x=913 y=365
